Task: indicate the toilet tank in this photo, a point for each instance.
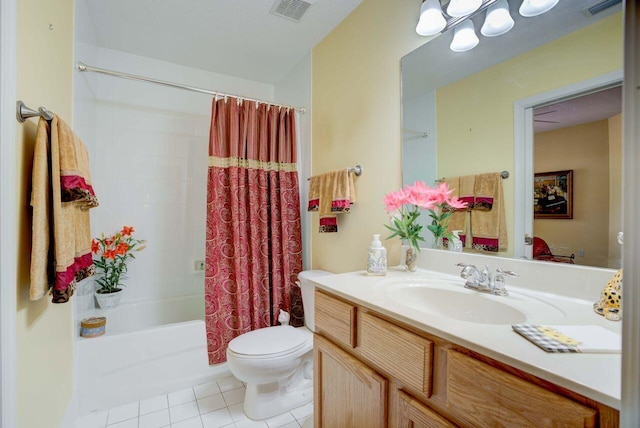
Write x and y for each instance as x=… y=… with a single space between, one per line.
x=308 y=298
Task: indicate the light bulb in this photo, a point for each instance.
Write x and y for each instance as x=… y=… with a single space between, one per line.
x=431 y=20
x=498 y=20
x=464 y=37
x=459 y=8
x=531 y=8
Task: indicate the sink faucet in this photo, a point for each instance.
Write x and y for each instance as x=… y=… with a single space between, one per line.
x=483 y=281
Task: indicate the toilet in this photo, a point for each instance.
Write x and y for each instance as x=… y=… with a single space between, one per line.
x=276 y=362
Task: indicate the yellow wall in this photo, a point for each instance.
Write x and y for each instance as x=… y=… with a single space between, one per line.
x=356 y=120
x=615 y=189
x=475 y=115
x=585 y=150
x=44 y=330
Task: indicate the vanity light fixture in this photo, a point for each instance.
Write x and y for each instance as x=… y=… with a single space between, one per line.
x=431 y=20
x=459 y=8
x=531 y=8
x=498 y=21
x=464 y=37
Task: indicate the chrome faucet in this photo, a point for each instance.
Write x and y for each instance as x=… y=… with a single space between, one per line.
x=483 y=281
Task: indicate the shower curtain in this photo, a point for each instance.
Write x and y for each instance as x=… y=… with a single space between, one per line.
x=253 y=241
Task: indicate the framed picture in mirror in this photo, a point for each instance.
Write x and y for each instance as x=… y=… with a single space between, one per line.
x=553 y=195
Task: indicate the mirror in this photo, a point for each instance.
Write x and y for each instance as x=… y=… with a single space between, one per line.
x=460 y=116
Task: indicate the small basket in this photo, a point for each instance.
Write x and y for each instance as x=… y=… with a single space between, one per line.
x=93 y=327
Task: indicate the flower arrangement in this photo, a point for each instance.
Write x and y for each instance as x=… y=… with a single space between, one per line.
x=405 y=205
x=113 y=253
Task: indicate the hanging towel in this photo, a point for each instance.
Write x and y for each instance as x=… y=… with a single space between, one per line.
x=489 y=228
x=330 y=194
x=485 y=190
x=61 y=196
x=459 y=219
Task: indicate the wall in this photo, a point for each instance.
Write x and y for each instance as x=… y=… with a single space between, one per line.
x=44 y=330
x=615 y=189
x=356 y=120
x=475 y=115
x=584 y=149
x=149 y=153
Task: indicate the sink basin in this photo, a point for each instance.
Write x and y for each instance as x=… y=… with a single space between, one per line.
x=449 y=299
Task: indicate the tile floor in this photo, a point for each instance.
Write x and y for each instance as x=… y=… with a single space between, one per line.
x=215 y=404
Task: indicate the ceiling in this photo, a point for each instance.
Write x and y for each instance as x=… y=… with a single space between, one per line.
x=576 y=111
x=239 y=38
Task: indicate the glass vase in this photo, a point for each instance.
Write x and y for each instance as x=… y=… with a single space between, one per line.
x=411 y=259
x=438 y=243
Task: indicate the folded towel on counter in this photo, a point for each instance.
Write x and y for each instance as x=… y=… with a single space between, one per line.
x=489 y=228
x=486 y=190
x=571 y=338
x=331 y=193
x=459 y=219
x=61 y=196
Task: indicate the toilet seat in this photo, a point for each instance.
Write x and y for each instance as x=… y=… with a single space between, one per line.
x=268 y=342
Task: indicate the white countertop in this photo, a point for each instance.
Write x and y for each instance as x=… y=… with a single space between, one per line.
x=596 y=376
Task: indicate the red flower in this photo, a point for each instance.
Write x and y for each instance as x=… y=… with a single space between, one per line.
x=109 y=254
x=127 y=230
x=95 y=247
x=108 y=242
x=122 y=248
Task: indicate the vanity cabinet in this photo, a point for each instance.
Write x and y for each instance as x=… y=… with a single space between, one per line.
x=374 y=371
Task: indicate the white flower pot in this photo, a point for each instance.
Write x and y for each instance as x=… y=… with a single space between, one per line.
x=108 y=300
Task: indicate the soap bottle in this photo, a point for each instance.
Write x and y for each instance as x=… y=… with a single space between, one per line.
x=455 y=243
x=376 y=258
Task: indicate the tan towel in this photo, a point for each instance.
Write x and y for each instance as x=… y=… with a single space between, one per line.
x=489 y=228
x=331 y=193
x=485 y=190
x=61 y=195
x=459 y=219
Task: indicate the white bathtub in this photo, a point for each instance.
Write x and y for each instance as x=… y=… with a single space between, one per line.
x=149 y=349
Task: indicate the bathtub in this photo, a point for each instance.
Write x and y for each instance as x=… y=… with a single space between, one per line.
x=150 y=348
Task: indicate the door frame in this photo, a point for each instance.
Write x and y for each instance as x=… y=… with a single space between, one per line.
x=523 y=150
x=8 y=214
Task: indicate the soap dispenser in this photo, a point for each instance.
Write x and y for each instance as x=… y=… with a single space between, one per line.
x=455 y=243
x=376 y=257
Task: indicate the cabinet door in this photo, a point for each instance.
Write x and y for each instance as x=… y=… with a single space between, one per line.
x=414 y=414
x=347 y=393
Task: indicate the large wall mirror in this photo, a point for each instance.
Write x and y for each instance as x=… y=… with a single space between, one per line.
x=538 y=102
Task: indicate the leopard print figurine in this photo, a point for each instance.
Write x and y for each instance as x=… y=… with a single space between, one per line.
x=610 y=303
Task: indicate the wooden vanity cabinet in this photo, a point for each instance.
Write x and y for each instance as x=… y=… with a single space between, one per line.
x=373 y=371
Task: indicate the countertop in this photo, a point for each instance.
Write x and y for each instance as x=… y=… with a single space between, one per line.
x=596 y=376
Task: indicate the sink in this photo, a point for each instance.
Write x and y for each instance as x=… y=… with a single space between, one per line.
x=449 y=299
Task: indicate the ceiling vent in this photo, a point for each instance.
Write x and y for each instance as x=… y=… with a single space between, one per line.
x=293 y=10
x=599 y=7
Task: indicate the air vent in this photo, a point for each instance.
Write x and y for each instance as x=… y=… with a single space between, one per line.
x=291 y=9
x=599 y=7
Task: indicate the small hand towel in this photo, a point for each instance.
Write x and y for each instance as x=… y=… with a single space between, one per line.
x=331 y=193
x=485 y=191
x=61 y=195
x=459 y=219
x=489 y=228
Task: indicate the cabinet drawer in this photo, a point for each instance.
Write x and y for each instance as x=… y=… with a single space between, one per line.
x=403 y=355
x=335 y=318
x=413 y=414
x=488 y=397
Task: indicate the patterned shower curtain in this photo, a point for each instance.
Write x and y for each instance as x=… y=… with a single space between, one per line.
x=253 y=241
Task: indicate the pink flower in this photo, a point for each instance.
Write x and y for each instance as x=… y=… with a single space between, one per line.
x=442 y=193
x=454 y=202
x=394 y=200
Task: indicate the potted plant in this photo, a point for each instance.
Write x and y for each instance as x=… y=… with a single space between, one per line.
x=113 y=253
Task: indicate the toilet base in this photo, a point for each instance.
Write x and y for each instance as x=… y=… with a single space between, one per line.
x=263 y=401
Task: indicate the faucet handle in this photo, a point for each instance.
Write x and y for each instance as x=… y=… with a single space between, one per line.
x=462 y=265
x=501 y=271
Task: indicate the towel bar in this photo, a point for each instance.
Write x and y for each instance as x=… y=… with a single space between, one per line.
x=357 y=170
x=503 y=174
x=23 y=112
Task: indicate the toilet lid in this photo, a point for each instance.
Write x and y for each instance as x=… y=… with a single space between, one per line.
x=269 y=341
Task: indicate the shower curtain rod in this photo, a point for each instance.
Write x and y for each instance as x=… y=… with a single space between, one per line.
x=84 y=67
